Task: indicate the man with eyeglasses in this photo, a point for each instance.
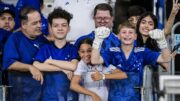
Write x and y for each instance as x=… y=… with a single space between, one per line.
x=82 y=22
x=103 y=17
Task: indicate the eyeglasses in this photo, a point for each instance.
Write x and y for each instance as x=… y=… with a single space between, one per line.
x=103 y=18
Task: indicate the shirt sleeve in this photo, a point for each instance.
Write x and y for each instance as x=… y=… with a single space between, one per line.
x=81 y=68
x=150 y=57
x=10 y=53
x=74 y=53
x=41 y=56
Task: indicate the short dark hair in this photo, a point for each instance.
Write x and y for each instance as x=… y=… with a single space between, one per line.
x=24 y=12
x=59 y=13
x=104 y=7
x=135 y=11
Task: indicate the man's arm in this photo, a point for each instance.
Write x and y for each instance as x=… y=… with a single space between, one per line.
x=22 y=67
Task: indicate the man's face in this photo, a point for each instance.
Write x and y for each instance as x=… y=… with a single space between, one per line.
x=32 y=27
x=103 y=18
x=60 y=28
x=7 y=22
x=133 y=20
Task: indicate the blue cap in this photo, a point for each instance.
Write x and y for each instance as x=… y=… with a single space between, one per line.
x=4 y=8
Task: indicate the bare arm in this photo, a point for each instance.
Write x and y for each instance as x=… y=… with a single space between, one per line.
x=164 y=58
x=65 y=65
x=78 y=88
x=170 y=21
x=22 y=67
x=96 y=57
x=116 y=74
x=46 y=67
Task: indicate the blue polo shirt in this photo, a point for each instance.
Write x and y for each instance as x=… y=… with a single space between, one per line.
x=111 y=41
x=20 y=48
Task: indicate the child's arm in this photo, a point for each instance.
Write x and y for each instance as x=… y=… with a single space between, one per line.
x=116 y=74
x=64 y=65
x=78 y=88
x=100 y=34
x=46 y=67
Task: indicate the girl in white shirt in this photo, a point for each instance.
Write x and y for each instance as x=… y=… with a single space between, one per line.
x=88 y=79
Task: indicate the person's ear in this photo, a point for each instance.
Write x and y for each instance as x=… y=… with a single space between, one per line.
x=24 y=24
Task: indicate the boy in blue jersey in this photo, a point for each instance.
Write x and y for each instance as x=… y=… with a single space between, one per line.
x=103 y=16
x=129 y=59
x=58 y=59
x=18 y=55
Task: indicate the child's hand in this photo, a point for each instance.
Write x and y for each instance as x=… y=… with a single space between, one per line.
x=69 y=74
x=95 y=97
x=96 y=76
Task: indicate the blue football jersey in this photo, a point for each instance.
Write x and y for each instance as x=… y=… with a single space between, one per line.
x=19 y=48
x=56 y=84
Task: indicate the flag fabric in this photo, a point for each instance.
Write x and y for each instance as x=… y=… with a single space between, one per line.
x=159 y=11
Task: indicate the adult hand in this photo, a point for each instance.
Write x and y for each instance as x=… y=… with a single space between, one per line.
x=37 y=75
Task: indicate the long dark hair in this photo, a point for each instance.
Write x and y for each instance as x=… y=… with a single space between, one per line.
x=150 y=43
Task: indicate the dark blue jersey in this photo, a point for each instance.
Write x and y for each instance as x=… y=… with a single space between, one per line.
x=20 y=48
x=111 y=41
x=56 y=84
x=128 y=89
x=3 y=37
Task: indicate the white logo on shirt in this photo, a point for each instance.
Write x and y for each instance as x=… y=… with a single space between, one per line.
x=115 y=49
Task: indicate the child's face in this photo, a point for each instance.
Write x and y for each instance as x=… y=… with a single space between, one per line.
x=85 y=52
x=127 y=35
x=146 y=25
x=60 y=28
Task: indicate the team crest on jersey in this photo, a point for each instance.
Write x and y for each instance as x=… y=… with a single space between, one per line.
x=139 y=49
x=115 y=49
